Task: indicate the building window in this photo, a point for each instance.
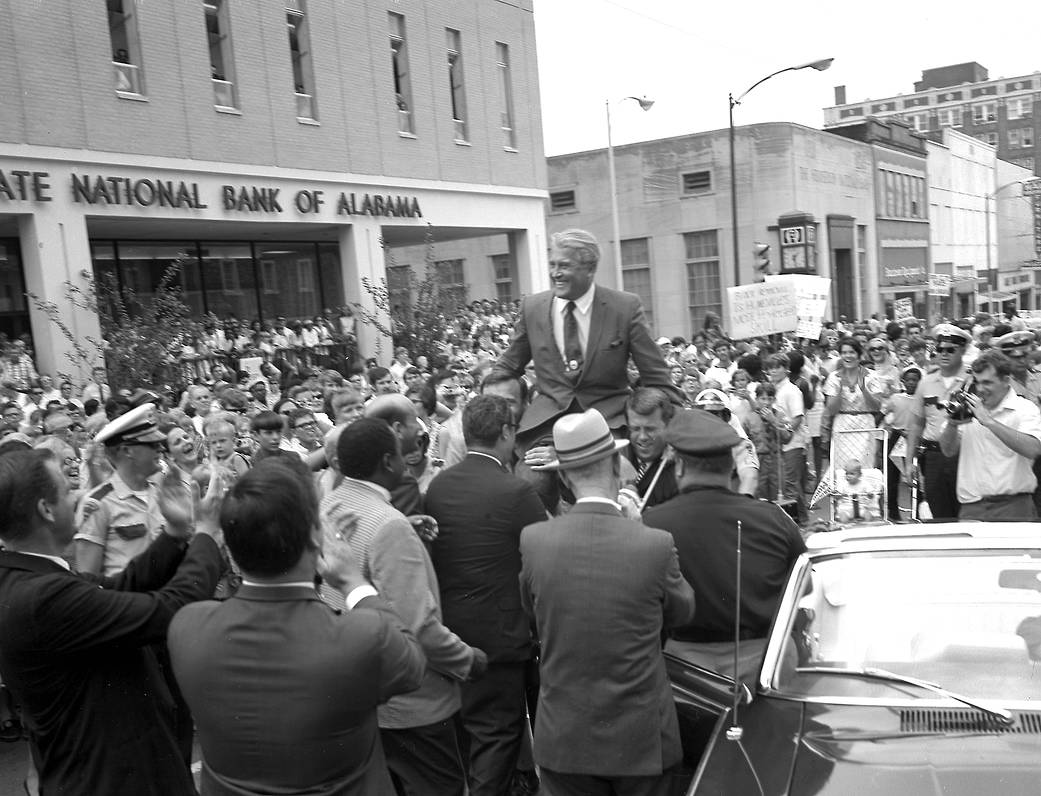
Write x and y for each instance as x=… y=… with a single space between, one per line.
x=456 y=86
x=704 y=289
x=1021 y=138
x=126 y=47
x=222 y=66
x=303 y=69
x=450 y=277
x=919 y=121
x=1019 y=107
x=1026 y=163
x=399 y=289
x=983 y=112
x=988 y=138
x=697 y=182
x=399 y=68
x=503 y=270
x=561 y=200
x=502 y=64
x=950 y=117
x=636 y=273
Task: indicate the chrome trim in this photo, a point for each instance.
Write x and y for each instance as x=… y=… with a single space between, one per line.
x=785 y=609
x=881 y=702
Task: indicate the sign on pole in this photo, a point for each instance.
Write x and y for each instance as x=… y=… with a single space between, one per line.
x=761 y=309
x=812 y=294
x=903 y=309
x=940 y=285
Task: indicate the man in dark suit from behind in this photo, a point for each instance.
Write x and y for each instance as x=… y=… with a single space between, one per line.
x=601 y=588
x=481 y=508
x=283 y=687
x=78 y=652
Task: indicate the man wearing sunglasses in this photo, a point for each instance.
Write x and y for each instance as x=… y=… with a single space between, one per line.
x=928 y=415
x=120 y=518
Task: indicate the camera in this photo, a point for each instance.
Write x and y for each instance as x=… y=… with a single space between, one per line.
x=957 y=406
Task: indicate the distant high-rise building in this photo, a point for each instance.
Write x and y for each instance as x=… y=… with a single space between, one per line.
x=999 y=112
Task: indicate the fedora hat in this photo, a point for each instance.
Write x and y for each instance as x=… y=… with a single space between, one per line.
x=582 y=439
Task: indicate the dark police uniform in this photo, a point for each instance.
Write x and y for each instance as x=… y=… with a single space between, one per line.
x=703 y=523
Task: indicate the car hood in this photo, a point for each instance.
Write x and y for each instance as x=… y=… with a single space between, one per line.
x=893 y=751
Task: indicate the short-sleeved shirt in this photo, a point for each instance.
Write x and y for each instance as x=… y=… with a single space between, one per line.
x=790 y=402
x=122 y=521
x=929 y=399
x=987 y=466
x=1030 y=388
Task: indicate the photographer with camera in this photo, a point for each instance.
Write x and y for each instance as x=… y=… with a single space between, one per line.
x=927 y=416
x=986 y=423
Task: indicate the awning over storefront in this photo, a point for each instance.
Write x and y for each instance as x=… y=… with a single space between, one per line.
x=997 y=296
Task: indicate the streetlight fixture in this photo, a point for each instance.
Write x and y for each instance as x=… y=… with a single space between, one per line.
x=820 y=66
x=645 y=104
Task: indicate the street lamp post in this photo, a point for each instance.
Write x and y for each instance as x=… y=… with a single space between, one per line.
x=645 y=104
x=820 y=66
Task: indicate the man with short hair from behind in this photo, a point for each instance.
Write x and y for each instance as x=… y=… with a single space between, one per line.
x=601 y=589
x=79 y=652
x=480 y=509
x=417 y=729
x=283 y=687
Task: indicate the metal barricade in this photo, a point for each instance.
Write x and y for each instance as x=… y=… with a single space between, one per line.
x=869 y=448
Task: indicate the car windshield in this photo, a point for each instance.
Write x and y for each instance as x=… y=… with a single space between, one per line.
x=967 y=620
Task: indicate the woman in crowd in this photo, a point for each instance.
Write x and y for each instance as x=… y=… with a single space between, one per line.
x=850 y=407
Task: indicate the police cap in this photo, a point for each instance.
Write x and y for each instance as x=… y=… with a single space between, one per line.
x=695 y=432
x=136 y=426
x=949 y=333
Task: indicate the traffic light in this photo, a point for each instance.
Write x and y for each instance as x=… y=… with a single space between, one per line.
x=761 y=260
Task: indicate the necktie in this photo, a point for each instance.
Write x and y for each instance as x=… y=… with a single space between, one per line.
x=572 y=346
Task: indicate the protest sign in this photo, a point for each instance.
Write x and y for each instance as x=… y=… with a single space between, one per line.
x=761 y=309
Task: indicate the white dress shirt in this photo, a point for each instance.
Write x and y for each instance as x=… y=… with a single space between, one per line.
x=583 y=313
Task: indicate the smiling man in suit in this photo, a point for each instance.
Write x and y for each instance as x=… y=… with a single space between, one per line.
x=580 y=336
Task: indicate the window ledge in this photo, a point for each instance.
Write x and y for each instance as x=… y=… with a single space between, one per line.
x=569 y=212
x=696 y=195
x=227 y=109
x=462 y=142
x=131 y=95
x=510 y=149
x=308 y=121
x=402 y=134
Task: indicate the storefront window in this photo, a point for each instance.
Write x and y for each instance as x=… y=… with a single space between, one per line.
x=14 y=314
x=248 y=281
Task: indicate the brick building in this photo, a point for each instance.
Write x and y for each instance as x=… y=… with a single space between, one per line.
x=1001 y=112
x=274 y=148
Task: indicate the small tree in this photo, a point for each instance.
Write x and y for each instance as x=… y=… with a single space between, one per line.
x=141 y=340
x=420 y=326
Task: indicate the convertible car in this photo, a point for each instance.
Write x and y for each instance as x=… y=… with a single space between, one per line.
x=903 y=659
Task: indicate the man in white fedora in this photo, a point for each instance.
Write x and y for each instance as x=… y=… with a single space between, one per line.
x=600 y=589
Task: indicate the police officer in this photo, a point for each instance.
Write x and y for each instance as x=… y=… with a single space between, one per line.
x=929 y=413
x=121 y=517
x=702 y=519
x=1026 y=379
x=746 y=460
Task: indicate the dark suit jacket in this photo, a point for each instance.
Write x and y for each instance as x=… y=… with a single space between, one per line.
x=480 y=511
x=100 y=716
x=617 y=330
x=284 y=690
x=600 y=589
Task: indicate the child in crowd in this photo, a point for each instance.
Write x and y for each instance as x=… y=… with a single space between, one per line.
x=267 y=427
x=768 y=429
x=218 y=430
x=857 y=493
